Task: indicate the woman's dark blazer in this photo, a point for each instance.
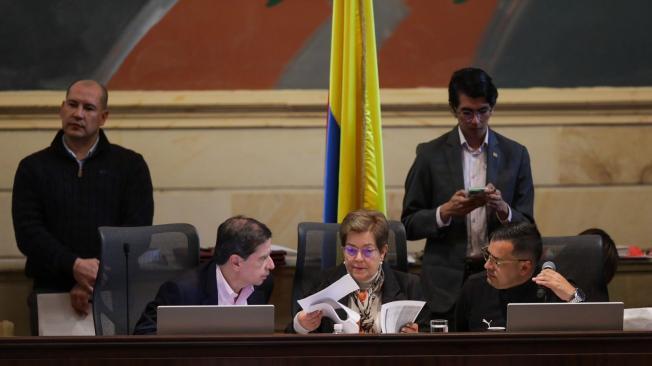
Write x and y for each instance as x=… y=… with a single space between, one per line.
x=396 y=286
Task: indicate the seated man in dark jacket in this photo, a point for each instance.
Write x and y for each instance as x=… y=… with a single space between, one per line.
x=510 y=277
x=237 y=274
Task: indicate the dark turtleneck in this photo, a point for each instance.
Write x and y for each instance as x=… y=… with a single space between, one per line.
x=480 y=301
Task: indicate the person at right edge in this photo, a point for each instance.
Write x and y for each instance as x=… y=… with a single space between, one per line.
x=460 y=188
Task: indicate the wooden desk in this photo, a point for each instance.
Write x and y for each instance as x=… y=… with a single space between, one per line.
x=569 y=348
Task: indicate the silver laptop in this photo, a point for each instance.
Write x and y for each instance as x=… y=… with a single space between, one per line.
x=565 y=316
x=214 y=319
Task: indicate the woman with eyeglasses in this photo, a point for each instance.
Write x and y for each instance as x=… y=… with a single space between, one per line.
x=364 y=235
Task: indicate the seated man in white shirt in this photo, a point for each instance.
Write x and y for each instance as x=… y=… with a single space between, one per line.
x=238 y=274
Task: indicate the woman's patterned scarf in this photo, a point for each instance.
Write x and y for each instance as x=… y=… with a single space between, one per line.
x=367 y=302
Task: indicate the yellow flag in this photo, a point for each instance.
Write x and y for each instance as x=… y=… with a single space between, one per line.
x=354 y=127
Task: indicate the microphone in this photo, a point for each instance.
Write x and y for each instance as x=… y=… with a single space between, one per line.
x=542 y=291
x=549 y=265
x=125 y=249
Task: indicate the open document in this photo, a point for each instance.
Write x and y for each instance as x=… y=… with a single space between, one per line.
x=326 y=301
x=56 y=317
x=395 y=314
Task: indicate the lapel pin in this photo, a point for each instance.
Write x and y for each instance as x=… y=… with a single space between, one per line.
x=495 y=155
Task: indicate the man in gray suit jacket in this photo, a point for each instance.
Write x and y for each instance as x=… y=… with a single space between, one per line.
x=462 y=186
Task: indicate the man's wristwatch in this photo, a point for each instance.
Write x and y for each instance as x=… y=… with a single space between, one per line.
x=578 y=296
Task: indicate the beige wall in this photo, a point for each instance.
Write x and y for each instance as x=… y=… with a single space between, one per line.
x=215 y=154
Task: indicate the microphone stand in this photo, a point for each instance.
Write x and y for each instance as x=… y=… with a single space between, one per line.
x=125 y=249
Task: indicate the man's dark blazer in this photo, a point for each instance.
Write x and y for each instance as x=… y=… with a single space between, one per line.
x=396 y=286
x=435 y=176
x=196 y=287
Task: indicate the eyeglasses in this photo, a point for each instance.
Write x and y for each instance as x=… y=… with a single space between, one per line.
x=468 y=114
x=498 y=261
x=367 y=252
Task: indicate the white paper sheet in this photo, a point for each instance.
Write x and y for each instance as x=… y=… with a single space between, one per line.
x=637 y=319
x=288 y=250
x=335 y=291
x=395 y=314
x=56 y=317
x=326 y=301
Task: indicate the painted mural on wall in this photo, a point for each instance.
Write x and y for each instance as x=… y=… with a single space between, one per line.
x=263 y=44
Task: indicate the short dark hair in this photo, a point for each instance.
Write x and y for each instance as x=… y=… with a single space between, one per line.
x=609 y=252
x=472 y=82
x=239 y=235
x=361 y=221
x=104 y=96
x=525 y=238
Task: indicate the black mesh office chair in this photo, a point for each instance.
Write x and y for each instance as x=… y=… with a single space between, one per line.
x=579 y=259
x=318 y=245
x=154 y=254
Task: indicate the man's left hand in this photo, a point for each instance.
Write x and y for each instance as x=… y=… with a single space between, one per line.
x=495 y=201
x=556 y=283
x=80 y=300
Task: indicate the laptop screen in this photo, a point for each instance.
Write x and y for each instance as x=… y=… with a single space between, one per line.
x=565 y=316
x=215 y=319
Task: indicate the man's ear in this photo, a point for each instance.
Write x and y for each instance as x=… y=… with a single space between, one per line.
x=235 y=261
x=103 y=117
x=526 y=267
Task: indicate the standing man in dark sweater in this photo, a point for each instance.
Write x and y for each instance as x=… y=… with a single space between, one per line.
x=63 y=193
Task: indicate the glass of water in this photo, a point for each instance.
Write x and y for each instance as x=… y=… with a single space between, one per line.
x=439 y=326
